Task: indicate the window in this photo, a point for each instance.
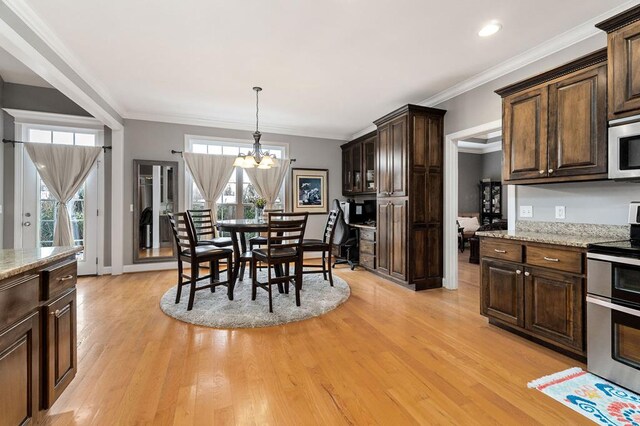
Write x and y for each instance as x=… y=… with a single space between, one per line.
x=46 y=207
x=236 y=201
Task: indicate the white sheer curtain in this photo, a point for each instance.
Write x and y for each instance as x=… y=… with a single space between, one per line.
x=63 y=168
x=210 y=174
x=268 y=182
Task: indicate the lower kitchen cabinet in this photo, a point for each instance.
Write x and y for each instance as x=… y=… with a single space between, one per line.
x=554 y=306
x=59 y=337
x=547 y=303
x=501 y=292
x=19 y=371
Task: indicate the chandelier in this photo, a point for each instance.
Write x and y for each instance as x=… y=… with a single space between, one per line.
x=256 y=157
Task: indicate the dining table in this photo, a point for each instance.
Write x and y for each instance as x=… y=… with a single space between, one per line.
x=238 y=228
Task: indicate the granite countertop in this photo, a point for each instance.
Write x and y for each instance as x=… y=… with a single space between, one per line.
x=17 y=261
x=582 y=240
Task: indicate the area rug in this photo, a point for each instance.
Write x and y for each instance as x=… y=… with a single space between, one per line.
x=593 y=397
x=216 y=310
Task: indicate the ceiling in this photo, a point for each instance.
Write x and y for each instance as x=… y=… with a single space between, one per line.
x=327 y=67
x=14 y=71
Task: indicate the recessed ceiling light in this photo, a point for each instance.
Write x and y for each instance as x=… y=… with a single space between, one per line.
x=490 y=29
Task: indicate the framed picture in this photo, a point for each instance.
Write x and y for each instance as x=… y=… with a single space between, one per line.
x=310 y=190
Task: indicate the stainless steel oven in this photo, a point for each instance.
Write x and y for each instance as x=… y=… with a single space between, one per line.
x=613 y=318
x=624 y=149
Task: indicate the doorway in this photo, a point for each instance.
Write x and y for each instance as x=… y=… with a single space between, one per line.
x=453 y=144
x=35 y=206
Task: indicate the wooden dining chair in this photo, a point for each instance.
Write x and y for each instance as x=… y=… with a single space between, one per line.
x=189 y=251
x=324 y=246
x=284 y=246
x=261 y=240
x=205 y=229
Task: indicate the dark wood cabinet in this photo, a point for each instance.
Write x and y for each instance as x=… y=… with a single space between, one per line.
x=502 y=291
x=19 y=371
x=367 y=247
x=525 y=134
x=410 y=196
x=358 y=166
x=623 y=35
x=59 y=336
x=533 y=293
x=554 y=306
x=555 y=124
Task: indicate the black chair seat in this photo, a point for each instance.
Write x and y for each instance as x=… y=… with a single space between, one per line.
x=258 y=240
x=206 y=250
x=275 y=253
x=218 y=242
x=315 y=244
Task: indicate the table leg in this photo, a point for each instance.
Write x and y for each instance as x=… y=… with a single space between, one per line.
x=236 y=256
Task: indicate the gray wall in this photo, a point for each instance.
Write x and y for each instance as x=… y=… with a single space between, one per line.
x=147 y=140
x=596 y=202
x=471 y=169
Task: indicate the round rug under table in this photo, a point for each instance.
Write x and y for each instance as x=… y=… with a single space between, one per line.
x=317 y=297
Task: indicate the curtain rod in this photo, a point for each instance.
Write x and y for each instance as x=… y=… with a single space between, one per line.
x=173 y=151
x=12 y=142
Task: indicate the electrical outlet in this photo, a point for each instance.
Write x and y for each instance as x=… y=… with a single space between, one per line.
x=560 y=212
x=526 y=211
x=0 y=208
x=131 y=208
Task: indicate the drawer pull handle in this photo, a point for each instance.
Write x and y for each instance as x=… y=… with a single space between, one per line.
x=66 y=278
x=526 y=274
x=550 y=170
x=541 y=172
x=551 y=259
x=499 y=251
x=518 y=271
x=56 y=313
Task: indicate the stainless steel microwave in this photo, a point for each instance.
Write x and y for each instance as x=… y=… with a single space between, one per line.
x=624 y=151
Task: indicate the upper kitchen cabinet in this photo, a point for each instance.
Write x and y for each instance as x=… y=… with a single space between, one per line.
x=624 y=63
x=555 y=124
x=358 y=166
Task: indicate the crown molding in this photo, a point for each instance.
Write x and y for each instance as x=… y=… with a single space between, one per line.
x=42 y=30
x=475 y=148
x=568 y=38
x=37 y=117
x=193 y=120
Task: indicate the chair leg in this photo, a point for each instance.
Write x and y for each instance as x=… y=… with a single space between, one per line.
x=324 y=268
x=254 y=282
x=231 y=280
x=298 y=282
x=286 y=274
x=195 y=272
x=329 y=269
x=270 y=297
x=243 y=264
x=212 y=266
x=180 y=271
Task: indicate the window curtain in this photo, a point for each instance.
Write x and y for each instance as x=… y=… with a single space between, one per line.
x=268 y=182
x=63 y=169
x=210 y=174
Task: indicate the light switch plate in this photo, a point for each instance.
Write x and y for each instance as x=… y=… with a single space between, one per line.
x=526 y=211
x=560 y=212
x=131 y=208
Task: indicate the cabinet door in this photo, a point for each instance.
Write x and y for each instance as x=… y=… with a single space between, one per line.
x=554 y=306
x=60 y=353
x=356 y=166
x=398 y=239
x=347 y=183
x=369 y=165
x=525 y=135
x=384 y=154
x=624 y=71
x=19 y=366
x=501 y=291
x=398 y=162
x=578 y=124
x=383 y=220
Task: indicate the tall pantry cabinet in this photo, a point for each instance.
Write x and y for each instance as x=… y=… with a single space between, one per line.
x=410 y=196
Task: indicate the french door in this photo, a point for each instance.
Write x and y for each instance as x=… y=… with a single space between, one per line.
x=39 y=207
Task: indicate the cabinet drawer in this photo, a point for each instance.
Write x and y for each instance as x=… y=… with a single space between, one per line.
x=367 y=247
x=58 y=278
x=368 y=261
x=18 y=297
x=501 y=250
x=555 y=258
x=367 y=234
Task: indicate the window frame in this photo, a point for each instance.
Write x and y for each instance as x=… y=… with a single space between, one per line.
x=245 y=146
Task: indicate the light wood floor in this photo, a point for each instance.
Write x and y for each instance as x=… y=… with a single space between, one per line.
x=387 y=356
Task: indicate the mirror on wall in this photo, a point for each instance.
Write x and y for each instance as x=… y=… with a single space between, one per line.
x=155 y=194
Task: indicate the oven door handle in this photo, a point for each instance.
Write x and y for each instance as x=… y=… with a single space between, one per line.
x=613 y=306
x=613 y=259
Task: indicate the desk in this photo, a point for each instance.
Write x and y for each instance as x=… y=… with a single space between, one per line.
x=366 y=245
